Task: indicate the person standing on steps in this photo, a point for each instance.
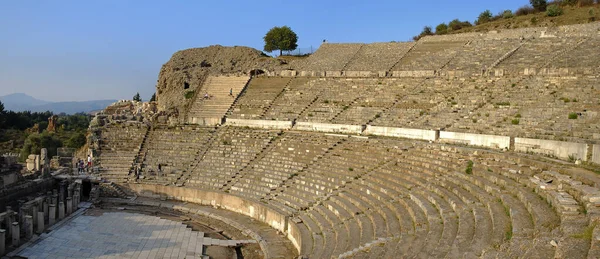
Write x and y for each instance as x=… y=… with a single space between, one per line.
x=89 y=163
x=231 y=92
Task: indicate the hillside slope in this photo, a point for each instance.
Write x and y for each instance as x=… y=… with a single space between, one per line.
x=572 y=15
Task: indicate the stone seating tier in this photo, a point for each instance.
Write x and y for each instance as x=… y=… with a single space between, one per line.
x=218 y=88
x=330 y=57
x=403 y=197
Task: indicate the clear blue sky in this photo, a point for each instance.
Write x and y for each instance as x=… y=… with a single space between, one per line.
x=110 y=49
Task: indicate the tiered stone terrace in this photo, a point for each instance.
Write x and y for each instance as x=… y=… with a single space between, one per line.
x=119 y=145
x=331 y=57
x=209 y=111
x=174 y=148
x=404 y=197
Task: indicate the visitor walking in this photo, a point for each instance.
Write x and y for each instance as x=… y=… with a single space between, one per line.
x=231 y=92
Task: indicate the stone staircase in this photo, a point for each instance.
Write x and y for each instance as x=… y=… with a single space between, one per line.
x=211 y=110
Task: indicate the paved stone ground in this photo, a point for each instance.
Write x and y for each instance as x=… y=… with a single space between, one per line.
x=118 y=235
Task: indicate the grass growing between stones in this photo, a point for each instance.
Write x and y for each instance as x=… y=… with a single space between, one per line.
x=469 y=169
x=189 y=94
x=587 y=232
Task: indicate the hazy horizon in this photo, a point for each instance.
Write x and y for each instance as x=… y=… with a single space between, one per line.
x=95 y=50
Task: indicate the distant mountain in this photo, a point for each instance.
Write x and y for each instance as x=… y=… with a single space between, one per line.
x=20 y=102
x=23 y=102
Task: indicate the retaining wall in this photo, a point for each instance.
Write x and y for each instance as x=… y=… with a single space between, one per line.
x=492 y=141
x=559 y=149
x=226 y=201
x=261 y=124
x=330 y=128
x=401 y=132
x=596 y=154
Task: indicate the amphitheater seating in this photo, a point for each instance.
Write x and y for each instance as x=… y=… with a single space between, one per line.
x=378 y=56
x=174 y=148
x=376 y=197
x=300 y=93
x=206 y=110
x=119 y=144
x=535 y=54
x=405 y=197
x=231 y=150
x=479 y=55
x=258 y=98
x=330 y=57
x=429 y=56
x=285 y=157
x=585 y=55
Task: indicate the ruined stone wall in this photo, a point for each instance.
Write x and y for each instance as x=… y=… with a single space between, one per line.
x=11 y=196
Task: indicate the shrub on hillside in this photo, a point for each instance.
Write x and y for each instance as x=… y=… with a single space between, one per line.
x=442 y=28
x=484 y=17
x=525 y=10
x=539 y=5
x=554 y=10
x=426 y=31
x=507 y=14
x=457 y=24
x=586 y=2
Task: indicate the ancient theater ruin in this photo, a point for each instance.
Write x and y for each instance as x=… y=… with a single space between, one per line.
x=454 y=146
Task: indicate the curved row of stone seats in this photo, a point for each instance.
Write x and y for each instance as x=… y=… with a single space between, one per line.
x=378 y=56
x=585 y=55
x=330 y=57
x=231 y=150
x=574 y=201
x=522 y=225
x=119 y=144
x=300 y=94
x=344 y=164
x=404 y=197
x=460 y=103
x=258 y=97
x=218 y=88
x=421 y=98
x=289 y=153
x=479 y=55
x=535 y=53
x=572 y=221
x=174 y=148
x=535 y=108
x=429 y=56
x=335 y=98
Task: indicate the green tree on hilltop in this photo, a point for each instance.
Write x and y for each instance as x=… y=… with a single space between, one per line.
x=153 y=98
x=280 y=38
x=137 y=97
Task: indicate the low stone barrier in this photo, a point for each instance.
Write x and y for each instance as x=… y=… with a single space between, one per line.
x=205 y=121
x=261 y=124
x=415 y=73
x=326 y=127
x=560 y=149
x=491 y=141
x=333 y=73
x=596 y=154
x=401 y=132
x=256 y=210
x=361 y=74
